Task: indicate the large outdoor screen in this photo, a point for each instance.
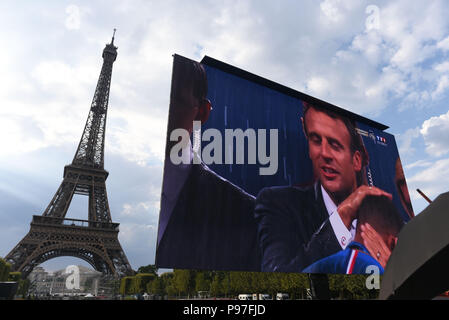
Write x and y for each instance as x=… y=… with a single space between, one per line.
x=260 y=177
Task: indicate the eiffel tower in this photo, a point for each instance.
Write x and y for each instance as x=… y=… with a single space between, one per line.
x=94 y=240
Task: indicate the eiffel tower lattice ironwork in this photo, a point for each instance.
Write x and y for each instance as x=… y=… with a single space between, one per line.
x=94 y=240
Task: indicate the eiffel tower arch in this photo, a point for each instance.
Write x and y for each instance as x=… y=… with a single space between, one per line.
x=94 y=240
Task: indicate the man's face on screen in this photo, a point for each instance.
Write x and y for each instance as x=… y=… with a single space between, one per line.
x=183 y=107
x=334 y=163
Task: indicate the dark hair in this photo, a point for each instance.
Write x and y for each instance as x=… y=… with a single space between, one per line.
x=199 y=81
x=381 y=214
x=356 y=142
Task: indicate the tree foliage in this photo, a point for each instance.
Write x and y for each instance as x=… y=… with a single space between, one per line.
x=141 y=281
x=202 y=281
x=216 y=287
x=184 y=282
x=151 y=268
x=15 y=276
x=4 y=270
x=126 y=286
x=156 y=287
x=221 y=284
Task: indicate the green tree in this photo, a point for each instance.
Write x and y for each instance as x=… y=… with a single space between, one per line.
x=113 y=284
x=151 y=268
x=24 y=286
x=14 y=276
x=257 y=282
x=4 y=270
x=156 y=287
x=337 y=286
x=202 y=283
x=167 y=283
x=171 y=290
x=273 y=283
x=126 y=285
x=184 y=281
x=216 y=289
x=295 y=284
x=350 y=287
x=141 y=280
x=88 y=284
x=357 y=286
x=225 y=283
x=241 y=282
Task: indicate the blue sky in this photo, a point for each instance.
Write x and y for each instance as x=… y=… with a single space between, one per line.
x=386 y=60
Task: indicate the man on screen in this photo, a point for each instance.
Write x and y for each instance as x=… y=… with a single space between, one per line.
x=298 y=226
x=205 y=221
x=375 y=213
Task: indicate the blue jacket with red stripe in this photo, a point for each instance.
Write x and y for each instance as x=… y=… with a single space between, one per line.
x=355 y=259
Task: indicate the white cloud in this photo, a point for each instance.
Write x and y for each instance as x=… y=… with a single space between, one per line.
x=398 y=51
x=406 y=141
x=132 y=233
x=63 y=79
x=37 y=114
x=138 y=137
x=418 y=164
x=432 y=180
x=16 y=128
x=73 y=19
x=138 y=242
x=371 y=46
x=147 y=210
x=142 y=209
x=318 y=86
x=442 y=67
x=443 y=84
x=435 y=132
x=336 y=11
x=130 y=210
x=331 y=10
x=444 y=44
x=380 y=63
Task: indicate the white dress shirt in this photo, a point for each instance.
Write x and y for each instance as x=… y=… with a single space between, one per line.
x=344 y=236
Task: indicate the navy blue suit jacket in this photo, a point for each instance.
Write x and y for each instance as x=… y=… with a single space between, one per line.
x=212 y=226
x=293 y=228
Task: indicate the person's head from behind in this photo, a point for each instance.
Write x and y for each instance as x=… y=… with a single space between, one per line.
x=381 y=214
x=188 y=100
x=336 y=150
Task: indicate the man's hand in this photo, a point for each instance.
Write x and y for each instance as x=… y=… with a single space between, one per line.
x=375 y=244
x=349 y=207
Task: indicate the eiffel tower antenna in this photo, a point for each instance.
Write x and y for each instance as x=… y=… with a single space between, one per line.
x=113 y=35
x=94 y=240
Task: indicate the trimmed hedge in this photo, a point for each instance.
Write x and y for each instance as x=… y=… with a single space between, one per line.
x=4 y=270
x=141 y=281
x=126 y=284
x=15 y=276
x=135 y=284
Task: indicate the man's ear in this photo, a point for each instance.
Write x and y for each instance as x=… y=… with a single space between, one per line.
x=391 y=242
x=204 y=110
x=357 y=161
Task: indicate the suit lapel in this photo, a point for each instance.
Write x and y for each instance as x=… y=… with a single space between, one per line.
x=169 y=203
x=320 y=207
